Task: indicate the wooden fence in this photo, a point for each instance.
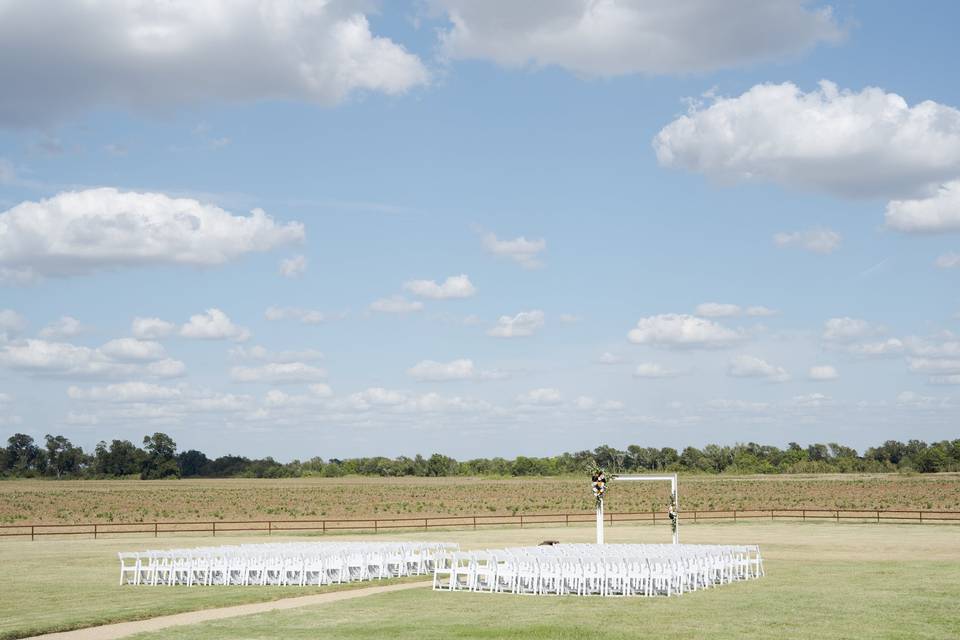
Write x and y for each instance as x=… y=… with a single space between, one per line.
x=375 y=525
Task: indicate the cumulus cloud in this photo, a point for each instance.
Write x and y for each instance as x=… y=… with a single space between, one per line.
x=11 y=322
x=293 y=267
x=654 y=370
x=847 y=329
x=151 y=328
x=609 y=358
x=934 y=365
x=80 y=232
x=279 y=373
x=133 y=349
x=524 y=324
x=864 y=144
x=949 y=261
x=65 y=327
x=744 y=366
x=460 y=369
x=151 y=54
x=760 y=311
x=125 y=392
x=682 y=331
x=717 y=310
x=396 y=304
x=938 y=213
x=432 y=371
x=545 y=397
x=623 y=37
x=62 y=359
x=262 y=353
x=819 y=240
x=213 y=324
x=305 y=316
x=453 y=287
x=823 y=372
x=876 y=349
x=524 y=252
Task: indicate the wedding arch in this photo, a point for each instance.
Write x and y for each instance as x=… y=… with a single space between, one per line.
x=674 y=508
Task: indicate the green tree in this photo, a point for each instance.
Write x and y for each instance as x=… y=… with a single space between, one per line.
x=160 y=461
x=62 y=456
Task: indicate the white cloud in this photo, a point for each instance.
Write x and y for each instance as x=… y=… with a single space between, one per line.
x=321 y=390
x=432 y=371
x=569 y=318
x=744 y=366
x=453 y=287
x=949 y=261
x=819 y=240
x=717 y=310
x=823 y=372
x=524 y=252
x=525 y=323
x=654 y=370
x=759 y=311
x=881 y=349
x=396 y=304
x=811 y=401
x=592 y=38
x=951 y=379
x=40 y=357
x=279 y=373
x=65 y=327
x=847 y=329
x=609 y=358
x=869 y=143
x=125 y=392
x=293 y=267
x=213 y=324
x=264 y=354
x=934 y=365
x=938 y=213
x=305 y=316
x=11 y=322
x=80 y=232
x=158 y=55
x=682 y=331
x=540 y=397
x=133 y=349
x=151 y=328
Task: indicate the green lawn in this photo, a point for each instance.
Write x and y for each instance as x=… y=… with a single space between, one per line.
x=823 y=581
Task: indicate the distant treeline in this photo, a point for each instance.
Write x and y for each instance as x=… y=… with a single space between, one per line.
x=158 y=458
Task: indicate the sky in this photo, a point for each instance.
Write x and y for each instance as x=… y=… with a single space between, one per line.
x=305 y=228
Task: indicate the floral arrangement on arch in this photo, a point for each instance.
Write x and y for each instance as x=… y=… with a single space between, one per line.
x=672 y=512
x=599 y=479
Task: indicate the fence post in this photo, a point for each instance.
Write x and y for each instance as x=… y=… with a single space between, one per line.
x=771 y=515
x=734 y=515
x=269 y=527
x=425 y=527
x=566 y=518
x=921 y=516
x=804 y=511
x=214 y=529
x=838 y=516
x=94 y=531
x=521 y=521
x=694 y=516
x=878 y=516
x=324 y=526
x=31 y=533
x=155 y=525
x=474 y=523
x=654 y=517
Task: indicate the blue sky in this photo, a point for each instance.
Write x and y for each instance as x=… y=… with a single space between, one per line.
x=487 y=228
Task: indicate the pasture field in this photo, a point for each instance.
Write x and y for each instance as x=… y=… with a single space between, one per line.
x=824 y=581
x=65 y=502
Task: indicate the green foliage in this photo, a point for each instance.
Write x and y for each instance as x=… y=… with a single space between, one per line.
x=159 y=459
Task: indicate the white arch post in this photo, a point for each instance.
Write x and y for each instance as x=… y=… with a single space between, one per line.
x=673 y=489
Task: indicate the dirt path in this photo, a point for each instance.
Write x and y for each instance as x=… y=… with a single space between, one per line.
x=124 y=629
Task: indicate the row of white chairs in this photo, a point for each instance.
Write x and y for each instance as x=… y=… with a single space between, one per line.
x=299 y=563
x=589 y=569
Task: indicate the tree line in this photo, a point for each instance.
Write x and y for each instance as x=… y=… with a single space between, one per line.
x=158 y=458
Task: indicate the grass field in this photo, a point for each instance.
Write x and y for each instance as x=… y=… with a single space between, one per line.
x=137 y=501
x=823 y=581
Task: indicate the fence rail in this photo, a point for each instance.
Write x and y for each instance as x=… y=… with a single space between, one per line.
x=329 y=525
